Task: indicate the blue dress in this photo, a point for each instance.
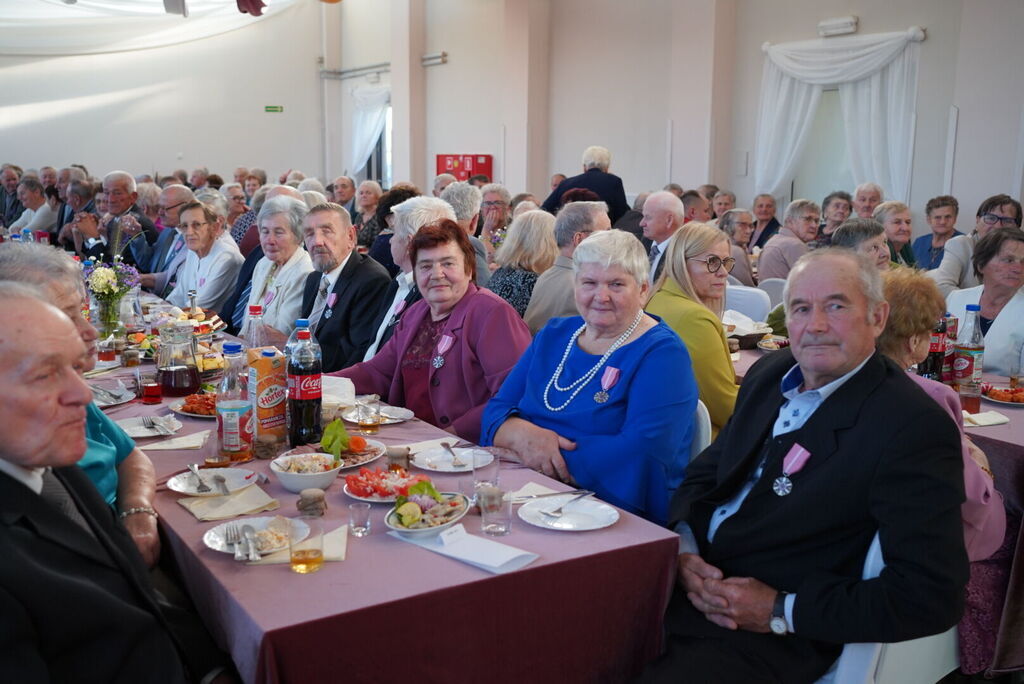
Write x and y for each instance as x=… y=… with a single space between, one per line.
x=106 y=446
x=631 y=450
x=928 y=258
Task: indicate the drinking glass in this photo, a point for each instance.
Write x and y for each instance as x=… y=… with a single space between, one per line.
x=359 y=519
x=484 y=474
x=150 y=389
x=970 y=397
x=306 y=555
x=368 y=415
x=495 y=511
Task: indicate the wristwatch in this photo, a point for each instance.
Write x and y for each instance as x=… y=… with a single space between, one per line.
x=778 y=622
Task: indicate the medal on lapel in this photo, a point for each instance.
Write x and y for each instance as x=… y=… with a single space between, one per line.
x=331 y=299
x=269 y=297
x=791 y=464
x=443 y=345
x=608 y=380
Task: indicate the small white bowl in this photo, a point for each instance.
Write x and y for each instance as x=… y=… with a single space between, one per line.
x=426 y=531
x=296 y=482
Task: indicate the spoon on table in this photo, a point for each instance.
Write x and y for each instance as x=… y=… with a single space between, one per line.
x=221 y=483
x=456 y=461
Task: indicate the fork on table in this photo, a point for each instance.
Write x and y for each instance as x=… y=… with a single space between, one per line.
x=150 y=424
x=233 y=537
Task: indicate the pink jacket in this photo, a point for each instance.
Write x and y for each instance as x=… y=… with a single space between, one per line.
x=489 y=339
x=983 y=513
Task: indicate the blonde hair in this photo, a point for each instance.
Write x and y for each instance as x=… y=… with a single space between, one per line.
x=885 y=209
x=529 y=243
x=915 y=306
x=689 y=241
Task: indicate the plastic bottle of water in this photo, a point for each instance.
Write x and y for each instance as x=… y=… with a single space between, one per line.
x=254 y=332
x=234 y=431
x=300 y=324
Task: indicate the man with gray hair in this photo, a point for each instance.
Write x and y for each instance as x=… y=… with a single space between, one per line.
x=37 y=215
x=409 y=217
x=342 y=295
x=345 y=193
x=777 y=516
x=595 y=177
x=866 y=197
x=783 y=249
x=663 y=215
x=66 y=212
x=554 y=293
x=200 y=178
x=169 y=252
x=495 y=214
x=441 y=182
x=123 y=230
x=10 y=207
x=466 y=200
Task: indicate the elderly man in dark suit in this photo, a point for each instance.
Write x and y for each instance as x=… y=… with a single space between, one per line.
x=595 y=176
x=123 y=230
x=343 y=294
x=830 y=444
x=75 y=600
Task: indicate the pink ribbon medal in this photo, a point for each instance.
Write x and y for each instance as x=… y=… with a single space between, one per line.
x=443 y=345
x=793 y=463
x=202 y=281
x=608 y=380
x=331 y=298
x=269 y=297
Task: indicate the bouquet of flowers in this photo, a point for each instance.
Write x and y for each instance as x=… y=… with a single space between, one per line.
x=108 y=284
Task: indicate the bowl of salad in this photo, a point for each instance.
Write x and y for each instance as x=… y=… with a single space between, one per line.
x=425 y=511
x=303 y=471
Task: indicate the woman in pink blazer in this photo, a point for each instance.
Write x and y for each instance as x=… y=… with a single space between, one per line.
x=452 y=350
x=915 y=305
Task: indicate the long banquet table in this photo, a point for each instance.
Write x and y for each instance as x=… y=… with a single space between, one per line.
x=589 y=609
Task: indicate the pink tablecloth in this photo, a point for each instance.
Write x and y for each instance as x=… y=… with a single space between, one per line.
x=589 y=609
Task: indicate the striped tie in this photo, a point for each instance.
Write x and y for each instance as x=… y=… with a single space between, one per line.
x=319 y=305
x=55 y=493
x=242 y=307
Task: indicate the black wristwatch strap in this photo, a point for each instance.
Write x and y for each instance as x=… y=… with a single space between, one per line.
x=779 y=607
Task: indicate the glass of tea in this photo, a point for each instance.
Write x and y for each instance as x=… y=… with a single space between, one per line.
x=306 y=553
x=368 y=415
x=150 y=390
x=970 y=397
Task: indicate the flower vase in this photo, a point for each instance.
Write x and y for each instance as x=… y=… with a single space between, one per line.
x=108 y=316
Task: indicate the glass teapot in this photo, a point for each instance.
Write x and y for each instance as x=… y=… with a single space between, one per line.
x=176 y=360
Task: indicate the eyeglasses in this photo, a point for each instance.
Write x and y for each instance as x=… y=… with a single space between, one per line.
x=194 y=226
x=993 y=219
x=237 y=198
x=493 y=204
x=714 y=263
x=164 y=210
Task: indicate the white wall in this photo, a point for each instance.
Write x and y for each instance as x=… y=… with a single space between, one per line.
x=198 y=103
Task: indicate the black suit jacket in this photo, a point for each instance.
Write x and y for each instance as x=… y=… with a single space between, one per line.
x=244 y=276
x=11 y=207
x=607 y=186
x=771 y=229
x=74 y=608
x=349 y=330
x=131 y=254
x=884 y=457
x=411 y=298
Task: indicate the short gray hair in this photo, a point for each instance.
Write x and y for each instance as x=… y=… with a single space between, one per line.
x=868 y=187
x=464 y=198
x=229 y=186
x=885 y=209
x=213 y=199
x=312 y=184
x=725 y=193
x=727 y=221
x=82 y=189
x=416 y=212
x=312 y=198
x=444 y=178
x=597 y=157
x=577 y=217
x=38 y=265
x=11 y=290
x=498 y=188
x=798 y=207
x=856 y=230
x=127 y=178
x=292 y=208
x=76 y=174
x=869 y=277
x=149 y=195
x=613 y=248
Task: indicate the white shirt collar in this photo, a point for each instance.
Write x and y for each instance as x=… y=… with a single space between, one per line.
x=30 y=477
x=332 y=275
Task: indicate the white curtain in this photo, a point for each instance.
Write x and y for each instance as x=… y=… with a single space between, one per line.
x=50 y=27
x=369 y=114
x=877 y=79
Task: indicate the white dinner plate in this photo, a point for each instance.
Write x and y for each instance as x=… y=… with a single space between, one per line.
x=389 y=415
x=440 y=461
x=134 y=427
x=234 y=478
x=214 y=537
x=370 y=499
x=374 y=450
x=176 y=407
x=1012 y=404
x=579 y=516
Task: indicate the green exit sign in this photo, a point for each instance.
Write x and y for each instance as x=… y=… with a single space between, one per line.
x=274 y=108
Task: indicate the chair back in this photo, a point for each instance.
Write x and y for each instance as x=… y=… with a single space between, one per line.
x=749 y=301
x=701 y=430
x=773 y=286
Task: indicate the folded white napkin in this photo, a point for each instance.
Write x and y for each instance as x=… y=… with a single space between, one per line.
x=194 y=441
x=485 y=554
x=745 y=325
x=417 y=447
x=338 y=391
x=984 y=419
x=527 y=492
x=133 y=427
x=335 y=546
x=242 y=502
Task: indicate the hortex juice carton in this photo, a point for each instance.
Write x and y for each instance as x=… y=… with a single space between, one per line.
x=268 y=391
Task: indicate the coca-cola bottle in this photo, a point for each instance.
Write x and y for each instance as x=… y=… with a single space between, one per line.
x=931 y=366
x=304 y=395
x=952 y=325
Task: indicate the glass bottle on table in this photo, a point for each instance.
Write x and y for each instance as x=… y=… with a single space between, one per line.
x=968 y=363
x=234 y=411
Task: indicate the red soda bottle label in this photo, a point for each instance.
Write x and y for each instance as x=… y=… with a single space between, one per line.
x=938 y=343
x=301 y=387
x=967 y=365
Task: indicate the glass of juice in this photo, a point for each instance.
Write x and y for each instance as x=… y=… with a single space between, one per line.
x=306 y=552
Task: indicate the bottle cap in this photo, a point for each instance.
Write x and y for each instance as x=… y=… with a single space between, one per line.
x=303 y=335
x=974 y=307
x=301 y=322
x=232 y=348
x=269 y=352
x=255 y=310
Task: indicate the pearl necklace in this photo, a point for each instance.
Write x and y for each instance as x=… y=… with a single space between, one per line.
x=577 y=386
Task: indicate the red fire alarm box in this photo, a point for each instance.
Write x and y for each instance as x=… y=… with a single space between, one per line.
x=462 y=166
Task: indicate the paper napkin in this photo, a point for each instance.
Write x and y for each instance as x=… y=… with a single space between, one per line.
x=527 y=492
x=133 y=427
x=335 y=546
x=249 y=500
x=486 y=554
x=194 y=441
x=417 y=447
x=984 y=419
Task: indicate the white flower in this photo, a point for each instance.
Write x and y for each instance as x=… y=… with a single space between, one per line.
x=103 y=280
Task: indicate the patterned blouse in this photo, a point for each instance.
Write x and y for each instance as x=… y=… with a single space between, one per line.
x=514 y=285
